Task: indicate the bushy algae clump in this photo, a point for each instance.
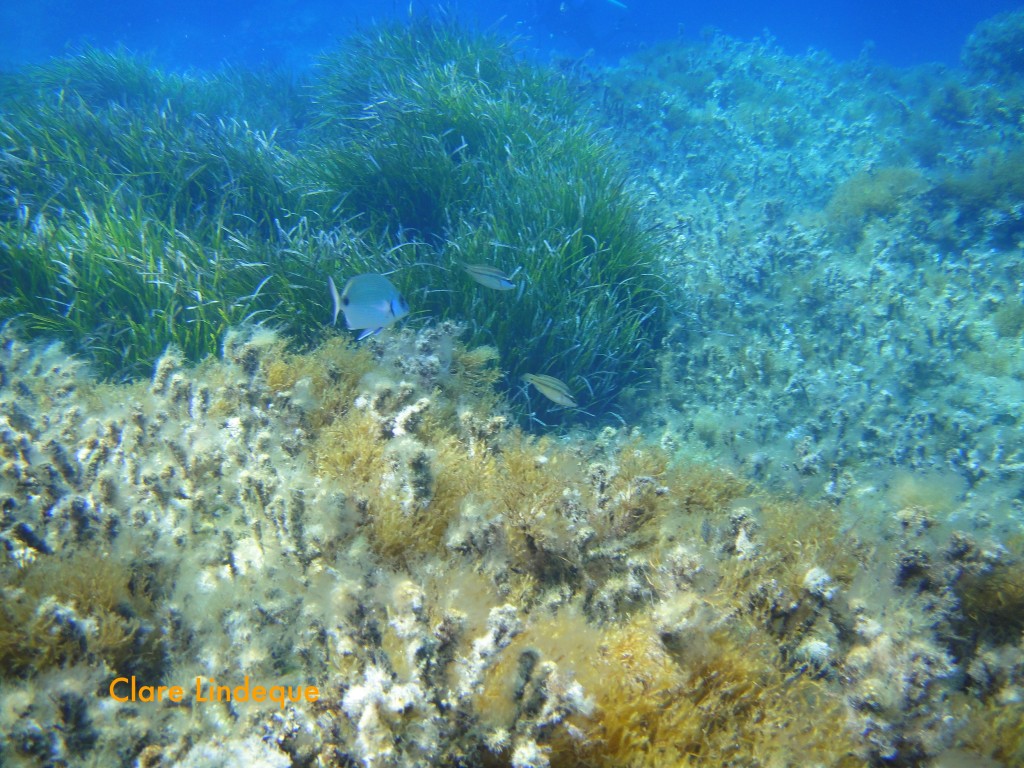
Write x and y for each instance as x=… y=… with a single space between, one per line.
x=82 y=607
x=993 y=49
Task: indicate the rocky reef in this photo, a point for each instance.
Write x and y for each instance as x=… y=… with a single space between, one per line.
x=365 y=522
x=849 y=240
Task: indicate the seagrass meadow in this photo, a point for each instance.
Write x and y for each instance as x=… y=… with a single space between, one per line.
x=785 y=525
x=145 y=208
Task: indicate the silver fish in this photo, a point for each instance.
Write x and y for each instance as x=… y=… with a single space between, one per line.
x=370 y=303
x=489 y=277
x=553 y=389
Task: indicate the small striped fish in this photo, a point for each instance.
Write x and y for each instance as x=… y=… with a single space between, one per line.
x=489 y=277
x=553 y=389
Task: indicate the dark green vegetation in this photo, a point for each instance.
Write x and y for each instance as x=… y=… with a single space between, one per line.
x=138 y=209
x=141 y=209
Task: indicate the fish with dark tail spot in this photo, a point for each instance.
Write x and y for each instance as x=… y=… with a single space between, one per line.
x=369 y=302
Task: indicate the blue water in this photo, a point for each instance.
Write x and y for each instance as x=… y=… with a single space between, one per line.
x=290 y=33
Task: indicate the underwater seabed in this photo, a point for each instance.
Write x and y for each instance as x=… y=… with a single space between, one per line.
x=363 y=521
x=803 y=548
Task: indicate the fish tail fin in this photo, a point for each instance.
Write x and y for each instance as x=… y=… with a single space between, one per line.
x=335 y=298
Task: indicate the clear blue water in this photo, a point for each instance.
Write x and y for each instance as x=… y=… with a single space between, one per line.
x=289 y=33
